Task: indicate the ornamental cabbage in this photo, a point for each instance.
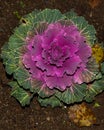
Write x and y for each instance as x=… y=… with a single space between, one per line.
x=50 y=54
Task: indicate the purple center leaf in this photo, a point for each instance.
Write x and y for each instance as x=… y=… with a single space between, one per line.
x=57 y=56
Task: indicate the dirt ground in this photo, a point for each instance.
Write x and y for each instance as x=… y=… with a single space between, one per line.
x=35 y=117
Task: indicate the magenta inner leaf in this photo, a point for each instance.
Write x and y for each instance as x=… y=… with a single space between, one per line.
x=57 y=55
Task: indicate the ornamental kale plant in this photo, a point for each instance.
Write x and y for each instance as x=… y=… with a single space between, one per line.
x=50 y=55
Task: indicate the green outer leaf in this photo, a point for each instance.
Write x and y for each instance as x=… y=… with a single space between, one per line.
x=20 y=94
x=53 y=101
x=10 y=59
x=22 y=76
x=35 y=86
x=70 y=97
x=93 y=72
x=45 y=92
x=94 y=89
x=87 y=30
x=40 y=88
x=19 y=37
x=49 y=15
x=32 y=20
x=102 y=67
x=5 y=53
x=29 y=19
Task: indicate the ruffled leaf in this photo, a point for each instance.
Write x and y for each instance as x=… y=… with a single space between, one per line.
x=94 y=89
x=29 y=19
x=45 y=92
x=49 y=16
x=70 y=96
x=20 y=94
x=10 y=59
x=53 y=101
x=23 y=78
x=42 y=90
x=93 y=69
x=102 y=67
x=87 y=30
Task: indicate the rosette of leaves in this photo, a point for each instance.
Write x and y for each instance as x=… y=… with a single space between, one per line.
x=50 y=55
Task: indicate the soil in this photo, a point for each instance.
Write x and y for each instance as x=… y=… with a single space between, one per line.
x=35 y=117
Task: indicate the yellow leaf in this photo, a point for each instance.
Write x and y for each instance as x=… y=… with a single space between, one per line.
x=98 y=53
x=81 y=115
